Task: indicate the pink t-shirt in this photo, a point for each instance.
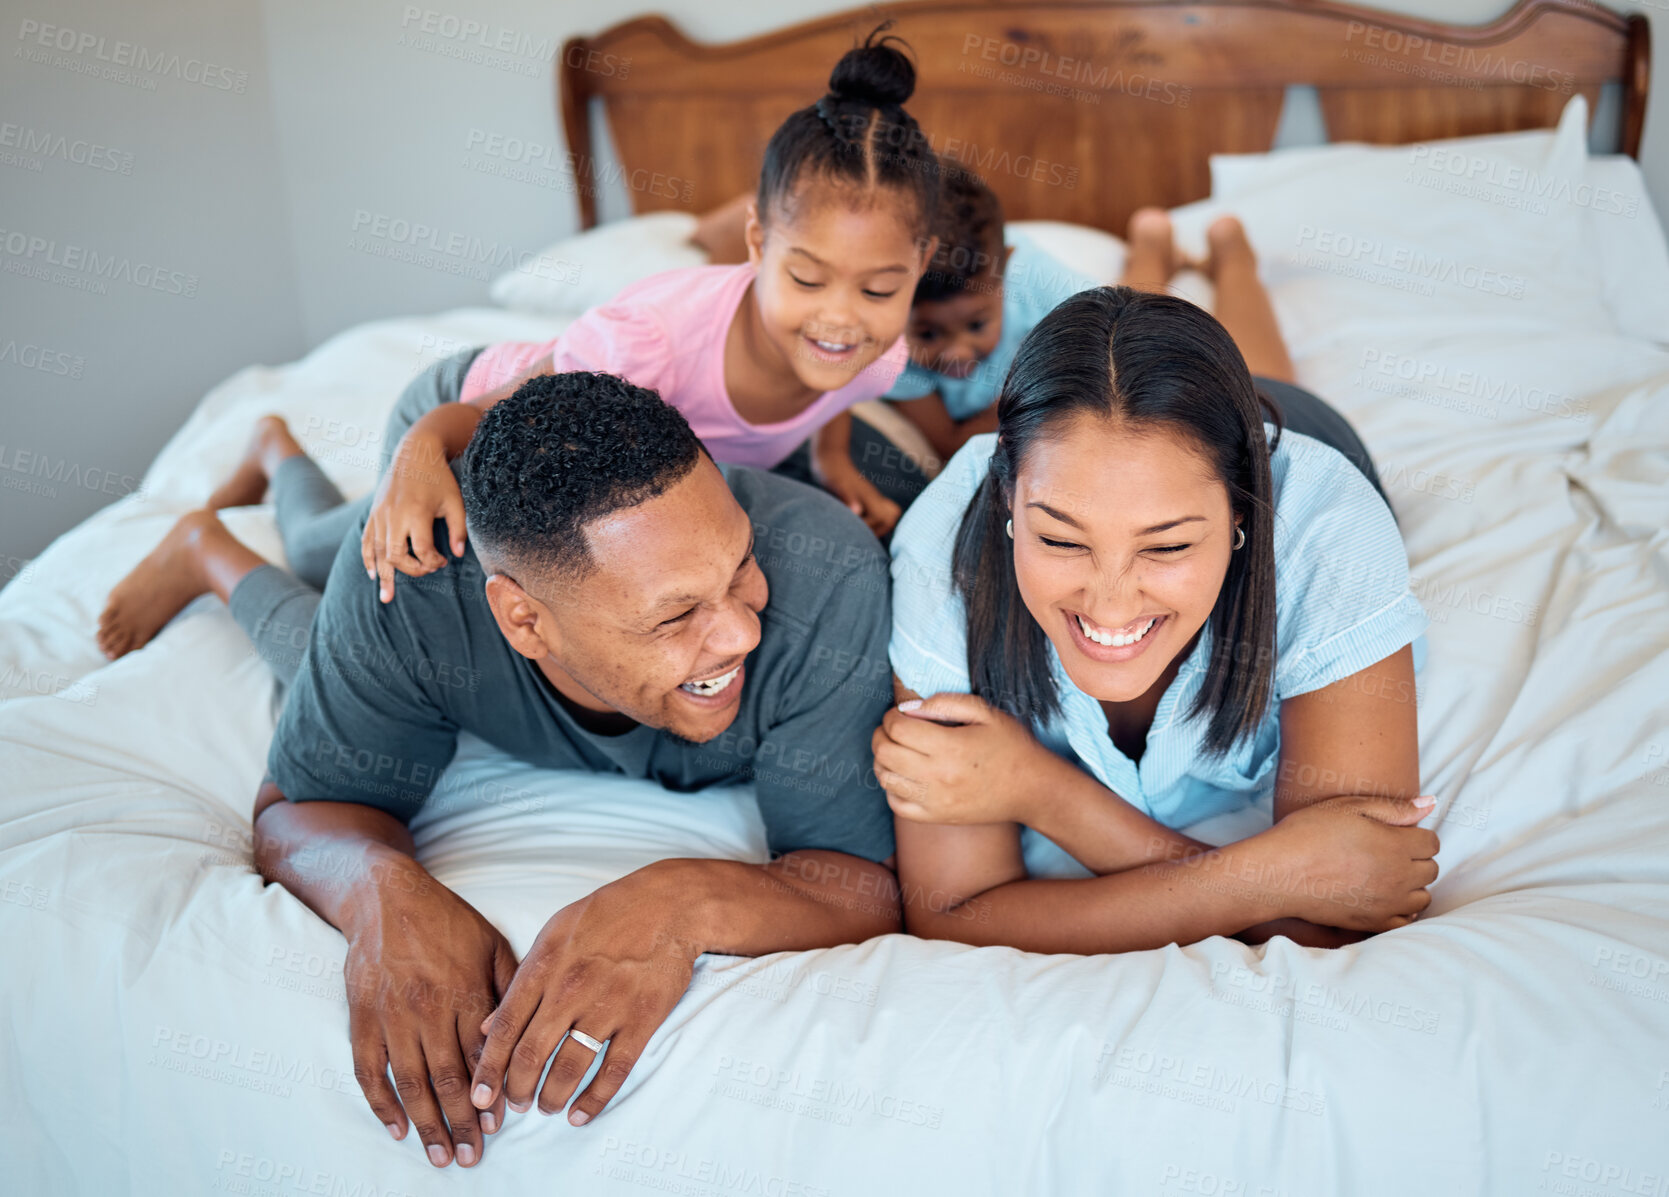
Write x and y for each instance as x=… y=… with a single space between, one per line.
x=668 y=332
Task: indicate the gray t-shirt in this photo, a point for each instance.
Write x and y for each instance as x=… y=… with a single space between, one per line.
x=384 y=689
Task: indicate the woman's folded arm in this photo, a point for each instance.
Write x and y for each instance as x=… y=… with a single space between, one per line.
x=969 y=884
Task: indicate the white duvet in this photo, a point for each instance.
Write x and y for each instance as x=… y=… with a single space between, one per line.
x=168 y=1025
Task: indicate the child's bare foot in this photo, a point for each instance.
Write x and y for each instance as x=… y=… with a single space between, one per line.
x=1226 y=239
x=271 y=444
x=159 y=586
x=1152 y=258
x=1242 y=304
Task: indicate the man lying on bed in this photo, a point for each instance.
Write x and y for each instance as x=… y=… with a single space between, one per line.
x=625 y=607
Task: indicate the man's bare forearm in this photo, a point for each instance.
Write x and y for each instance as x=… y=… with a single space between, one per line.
x=803 y=900
x=329 y=854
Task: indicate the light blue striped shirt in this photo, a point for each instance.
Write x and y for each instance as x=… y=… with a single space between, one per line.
x=1342 y=602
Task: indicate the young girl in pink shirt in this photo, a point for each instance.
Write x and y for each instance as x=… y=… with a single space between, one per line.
x=758 y=356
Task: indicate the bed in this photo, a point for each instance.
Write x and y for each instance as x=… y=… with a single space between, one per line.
x=172 y=1026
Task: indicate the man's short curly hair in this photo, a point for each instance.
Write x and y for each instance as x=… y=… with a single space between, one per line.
x=564 y=450
x=969 y=226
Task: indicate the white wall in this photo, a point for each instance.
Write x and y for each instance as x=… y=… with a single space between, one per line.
x=266 y=184
x=194 y=258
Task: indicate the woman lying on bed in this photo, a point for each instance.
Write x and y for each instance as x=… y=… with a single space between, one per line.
x=1136 y=606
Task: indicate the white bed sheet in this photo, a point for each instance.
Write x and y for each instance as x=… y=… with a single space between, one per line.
x=171 y=1026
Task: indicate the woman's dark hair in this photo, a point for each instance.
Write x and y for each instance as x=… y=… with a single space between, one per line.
x=1148 y=360
x=858 y=134
x=970 y=231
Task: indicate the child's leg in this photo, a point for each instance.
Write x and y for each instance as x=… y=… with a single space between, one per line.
x=1242 y=304
x=1312 y=416
x=199 y=556
x=275 y=610
x=1150 y=259
x=270 y=445
x=312 y=516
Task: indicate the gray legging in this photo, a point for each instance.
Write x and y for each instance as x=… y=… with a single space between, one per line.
x=275 y=607
x=1312 y=416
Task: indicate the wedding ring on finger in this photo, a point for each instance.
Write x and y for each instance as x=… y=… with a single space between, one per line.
x=584 y=1040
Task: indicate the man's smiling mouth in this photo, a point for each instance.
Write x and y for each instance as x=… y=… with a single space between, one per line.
x=712 y=686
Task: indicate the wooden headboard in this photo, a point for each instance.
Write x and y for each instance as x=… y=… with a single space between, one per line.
x=1084 y=111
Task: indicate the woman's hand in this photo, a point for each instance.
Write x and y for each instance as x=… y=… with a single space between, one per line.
x=956 y=759
x=417 y=490
x=1355 y=862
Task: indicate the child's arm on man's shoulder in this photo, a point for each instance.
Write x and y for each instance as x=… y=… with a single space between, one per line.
x=418 y=487
x=945 y=434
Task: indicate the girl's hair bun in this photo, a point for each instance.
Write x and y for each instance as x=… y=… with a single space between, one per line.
x=858 y=136
x=875 y=73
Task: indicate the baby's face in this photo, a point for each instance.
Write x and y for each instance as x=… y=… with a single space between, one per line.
x=952 y=336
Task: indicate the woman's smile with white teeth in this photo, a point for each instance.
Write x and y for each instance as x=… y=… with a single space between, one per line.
x=1129 y=635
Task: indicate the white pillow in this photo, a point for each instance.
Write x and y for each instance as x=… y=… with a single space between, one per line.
x=1627 y=239
x=1088 y=251
x=1469 y=229
x=1621 y=226
x=589 y=268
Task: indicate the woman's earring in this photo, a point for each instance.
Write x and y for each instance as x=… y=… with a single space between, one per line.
x=1239 y=536
x=1011 y=529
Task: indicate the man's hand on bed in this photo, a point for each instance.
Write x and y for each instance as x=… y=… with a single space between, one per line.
x=423 y=968
x=417 y=489
x=611 y=966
